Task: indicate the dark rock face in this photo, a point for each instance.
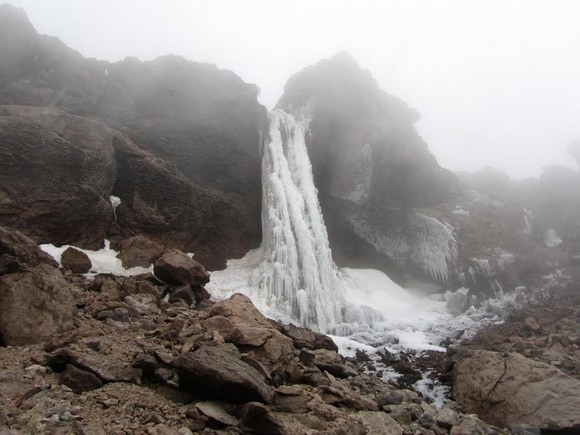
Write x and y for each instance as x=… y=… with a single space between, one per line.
x=76 y=261
x=218 y=372
x=56 y=175
x=200 y=127
x=367 y=157
x=364 y=147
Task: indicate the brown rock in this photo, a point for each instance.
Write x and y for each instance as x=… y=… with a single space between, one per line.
x=260 y=420
x=292 y=403
x=76 y=261
x=177 y=268
x=333 y=363
x=238 y=321
x=509 y=389
x=79 y=380
x=218 y=372
x=240 y=310
x=307 y=339
x=107 y=371
x=34 y=305
x=16 y=245
x=378 y=423
x=140 y=251
x=216 y=412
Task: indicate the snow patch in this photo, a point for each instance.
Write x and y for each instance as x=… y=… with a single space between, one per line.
x=103 y=261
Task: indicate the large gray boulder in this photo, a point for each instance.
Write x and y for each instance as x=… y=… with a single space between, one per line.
x=507 y=389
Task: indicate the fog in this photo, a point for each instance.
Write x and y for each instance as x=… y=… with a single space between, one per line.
x=497 y=83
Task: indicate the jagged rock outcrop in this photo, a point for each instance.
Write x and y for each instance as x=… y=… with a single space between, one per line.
x=509 y=389
x=36 y=302
x=188 y=159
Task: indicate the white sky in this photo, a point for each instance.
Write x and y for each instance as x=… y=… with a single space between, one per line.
x=497 y=82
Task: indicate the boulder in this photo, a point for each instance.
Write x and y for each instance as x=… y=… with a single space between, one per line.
x=21 y=249
x=177 y=268
x=216 y=412
x=106 y=370
x=333 y=363
x=260 y=420
x=378 y=423
x=507 y=389
x=79 y=380
x=140 y=251
x=34 y=305
x=304 y=338
x=76 y=261
x=240 y=310
x=239 y=322
x=218 y=372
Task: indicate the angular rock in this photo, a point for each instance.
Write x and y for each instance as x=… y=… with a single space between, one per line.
x=34 y=305
x=140 y=251
x=240 y=310
x=378 y=423
x=238 y=321
x=17 y=246
x=260 y=420
x=333 y=363
x=141 y=304
x=79 y=380
x=509 y=389
x=216 y=412
x=177 y=268
x=446 y=418
x=307 y=339
x=219 y=372
x=292 y=403
x=106 y=370
x=76 y=261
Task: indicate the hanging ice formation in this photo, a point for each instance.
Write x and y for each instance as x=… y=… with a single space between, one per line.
x=297 y=262
x=292 y=276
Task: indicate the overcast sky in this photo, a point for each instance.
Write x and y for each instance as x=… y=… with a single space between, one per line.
x=497 y=82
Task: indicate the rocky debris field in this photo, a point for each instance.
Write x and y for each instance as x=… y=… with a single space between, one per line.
x=129 y=355
x=121 y=355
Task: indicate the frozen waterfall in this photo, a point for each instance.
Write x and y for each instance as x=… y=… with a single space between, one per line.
x=297 y=263
x=292 y=272
x=291 y=277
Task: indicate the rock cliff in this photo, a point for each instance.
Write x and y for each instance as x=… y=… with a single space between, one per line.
x=193 y=162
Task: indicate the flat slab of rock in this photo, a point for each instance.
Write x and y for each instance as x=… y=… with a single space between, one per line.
x=509 y=389
x=215 y=411
x=105 y=370
x=219 y=372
